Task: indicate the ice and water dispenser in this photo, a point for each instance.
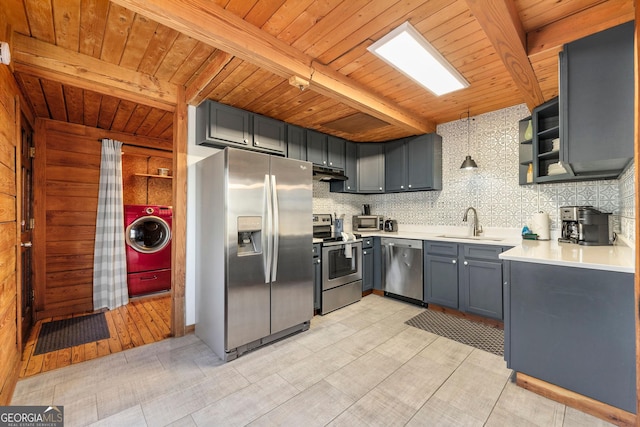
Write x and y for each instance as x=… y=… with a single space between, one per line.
x=249 y=235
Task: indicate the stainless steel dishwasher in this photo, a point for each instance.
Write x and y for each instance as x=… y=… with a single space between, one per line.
x=402 y=268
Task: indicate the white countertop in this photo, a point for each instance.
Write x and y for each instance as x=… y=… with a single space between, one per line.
x=618 y=257
x=453 y=234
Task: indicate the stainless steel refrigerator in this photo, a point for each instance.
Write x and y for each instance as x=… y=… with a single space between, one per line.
x=254 y=278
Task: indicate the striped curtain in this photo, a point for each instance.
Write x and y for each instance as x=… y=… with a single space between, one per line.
x=110 y=262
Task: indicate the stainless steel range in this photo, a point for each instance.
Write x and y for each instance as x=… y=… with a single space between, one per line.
x=341 y=266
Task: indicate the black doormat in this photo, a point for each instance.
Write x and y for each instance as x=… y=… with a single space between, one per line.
x=462 y=330
x=65 y=333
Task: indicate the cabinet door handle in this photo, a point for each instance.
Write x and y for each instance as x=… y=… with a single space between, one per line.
x=409 y=185
x=380 y=188
x=453 y=261
x=465 y=263
x=402 y=186
x=364 y=252
x=257 y=142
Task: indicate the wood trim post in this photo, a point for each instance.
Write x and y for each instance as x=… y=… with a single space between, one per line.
x=636 y=135
x=19 y=283
x=179 y=223
x=39 y=250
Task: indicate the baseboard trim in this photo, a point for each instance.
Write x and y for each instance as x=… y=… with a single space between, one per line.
x=379 y=292
x=189 y=329
x=575 y=400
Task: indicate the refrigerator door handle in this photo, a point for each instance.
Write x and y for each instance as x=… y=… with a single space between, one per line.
x=266 y=231
x=276 y=229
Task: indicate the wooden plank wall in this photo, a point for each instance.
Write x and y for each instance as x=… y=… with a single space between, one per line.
x=67 y=165
x=9 y=131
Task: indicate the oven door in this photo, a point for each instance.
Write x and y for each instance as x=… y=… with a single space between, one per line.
x=339 y=270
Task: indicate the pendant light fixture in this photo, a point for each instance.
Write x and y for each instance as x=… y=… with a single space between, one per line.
x=468 y=163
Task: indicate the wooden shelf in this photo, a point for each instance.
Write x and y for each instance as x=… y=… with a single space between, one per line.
x=148 y=175
x=549 y=133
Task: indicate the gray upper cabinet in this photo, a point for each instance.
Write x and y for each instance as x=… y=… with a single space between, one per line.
x=395 y=166
x=424 y=162
x=269 y=134
x=596 y=103
x=296 y=142
x=324 y=150
x=335 y=152
x=371 y=168
x=219 y=124
x=350 y=170
x=317 y=148
x=414 y=164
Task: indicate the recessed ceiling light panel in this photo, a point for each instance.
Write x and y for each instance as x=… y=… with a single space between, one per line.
x=407 y=51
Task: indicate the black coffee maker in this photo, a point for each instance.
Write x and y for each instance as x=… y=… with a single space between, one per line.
x=585 y=225
x=593 y=227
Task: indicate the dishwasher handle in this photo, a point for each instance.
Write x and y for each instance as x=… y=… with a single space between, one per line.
x=402 y=243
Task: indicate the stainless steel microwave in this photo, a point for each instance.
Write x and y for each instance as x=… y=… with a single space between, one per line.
x=367 y=222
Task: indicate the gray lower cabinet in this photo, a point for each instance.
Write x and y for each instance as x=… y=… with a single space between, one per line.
x=350 y=170
x=296 y=143
x=465 y=277
x=573 y=327
x=441 y=273
x=481 y=281
x=371 y=168
x=414 y=164
x=317 y=275
x=368 y=261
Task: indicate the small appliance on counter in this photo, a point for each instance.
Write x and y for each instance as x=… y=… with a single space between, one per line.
x=391 y=225
x=586 y=226
x=367 y=222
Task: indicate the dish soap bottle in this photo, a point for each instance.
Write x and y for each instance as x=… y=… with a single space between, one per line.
x=530 y=173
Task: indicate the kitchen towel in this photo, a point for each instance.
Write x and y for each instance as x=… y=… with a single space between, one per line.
x=348 y=249
x=540 y=225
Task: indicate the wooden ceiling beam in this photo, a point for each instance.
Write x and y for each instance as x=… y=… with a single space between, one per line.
x=195 y=92
x=586 y=22
x=500 y=22
x=48 y=61
x=207 y=22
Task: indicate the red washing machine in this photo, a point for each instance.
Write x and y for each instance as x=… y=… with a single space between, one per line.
x=148 y=238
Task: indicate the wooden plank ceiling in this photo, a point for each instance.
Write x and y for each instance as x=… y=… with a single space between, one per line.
x=117 y=64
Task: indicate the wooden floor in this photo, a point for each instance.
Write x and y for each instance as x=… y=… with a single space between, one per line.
x=142 y=321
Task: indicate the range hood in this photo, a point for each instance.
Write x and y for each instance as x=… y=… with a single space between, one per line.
x=321 y=173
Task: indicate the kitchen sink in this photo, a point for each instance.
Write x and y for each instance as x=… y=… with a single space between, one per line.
x=464 y=236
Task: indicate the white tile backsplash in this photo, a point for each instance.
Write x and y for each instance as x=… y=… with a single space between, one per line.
x=492 y=189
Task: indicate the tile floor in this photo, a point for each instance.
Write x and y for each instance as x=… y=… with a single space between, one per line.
x=358 y=366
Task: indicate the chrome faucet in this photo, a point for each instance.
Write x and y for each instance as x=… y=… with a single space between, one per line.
x=477 y=229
